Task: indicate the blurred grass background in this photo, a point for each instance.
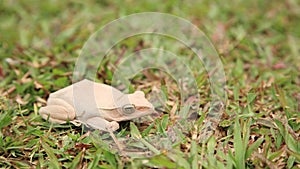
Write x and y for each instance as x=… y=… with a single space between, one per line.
x=258 y=42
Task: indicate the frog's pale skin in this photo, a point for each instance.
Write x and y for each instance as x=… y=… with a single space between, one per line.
x=96 y=105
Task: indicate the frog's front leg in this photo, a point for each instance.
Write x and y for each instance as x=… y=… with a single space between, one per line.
x=58 y=111
x=102 y=124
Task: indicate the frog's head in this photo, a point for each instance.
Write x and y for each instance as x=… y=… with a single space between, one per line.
x=141 y=104
x=138 y=106
x=129 y=106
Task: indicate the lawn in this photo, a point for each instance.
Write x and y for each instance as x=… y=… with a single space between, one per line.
x=257 y=42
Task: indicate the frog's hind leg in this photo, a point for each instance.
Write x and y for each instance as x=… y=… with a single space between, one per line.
x=56 y=114
x=58 y=111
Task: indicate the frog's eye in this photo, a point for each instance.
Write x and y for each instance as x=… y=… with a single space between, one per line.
x=128 y=109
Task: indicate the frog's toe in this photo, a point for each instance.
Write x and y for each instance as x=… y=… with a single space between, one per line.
x=112 y=126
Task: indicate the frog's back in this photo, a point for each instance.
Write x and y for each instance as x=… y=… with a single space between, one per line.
x=63 y=93
x=88 y=91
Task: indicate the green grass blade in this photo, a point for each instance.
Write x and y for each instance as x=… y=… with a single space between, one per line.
x=239 y=151
x=253 y=147
x=52 y=158
x=76 y=161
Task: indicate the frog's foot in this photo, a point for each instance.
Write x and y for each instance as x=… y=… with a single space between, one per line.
x=76 y=122
x=112 y=126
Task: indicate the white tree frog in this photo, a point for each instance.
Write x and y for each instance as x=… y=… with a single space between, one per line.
x=96 y=105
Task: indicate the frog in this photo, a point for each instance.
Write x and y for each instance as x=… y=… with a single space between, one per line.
x=96 y=105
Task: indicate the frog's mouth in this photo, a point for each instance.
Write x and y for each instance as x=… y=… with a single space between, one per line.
x=144 y=109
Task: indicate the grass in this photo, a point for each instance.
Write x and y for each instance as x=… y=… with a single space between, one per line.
x=258 y=42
